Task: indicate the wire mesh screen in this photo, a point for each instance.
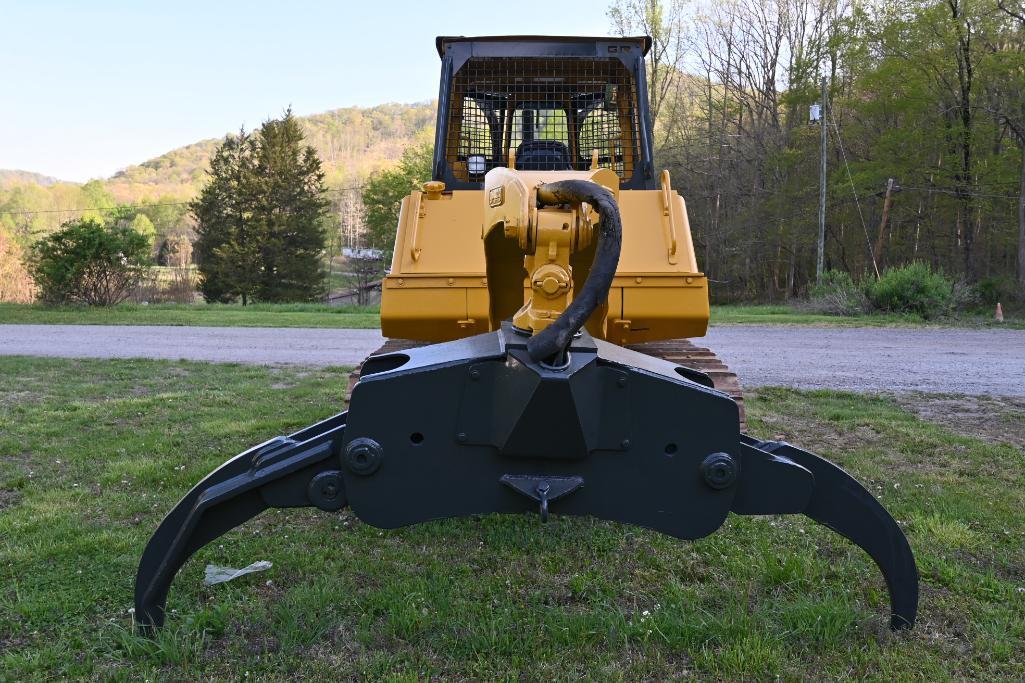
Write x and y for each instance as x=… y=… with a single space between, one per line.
x=553 y=113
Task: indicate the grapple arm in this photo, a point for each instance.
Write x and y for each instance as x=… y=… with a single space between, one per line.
x=780 y=478
x=295 y=471
x=478 y=426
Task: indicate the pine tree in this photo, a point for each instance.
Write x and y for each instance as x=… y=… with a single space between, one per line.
x=261 y=218
x=292 y=208
x=227 y=247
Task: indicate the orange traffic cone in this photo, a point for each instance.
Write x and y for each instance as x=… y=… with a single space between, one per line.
x=1000 y=313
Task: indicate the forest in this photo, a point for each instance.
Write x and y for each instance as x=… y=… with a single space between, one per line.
x=930 y=94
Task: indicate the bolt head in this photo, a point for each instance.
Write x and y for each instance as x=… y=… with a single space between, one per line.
x=363 y=456
x=720 y=471
x=327 y=490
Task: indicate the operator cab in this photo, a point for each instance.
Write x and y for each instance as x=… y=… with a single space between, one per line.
x=552 y=102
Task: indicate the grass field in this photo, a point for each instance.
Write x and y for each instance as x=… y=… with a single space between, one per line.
x=788 y=315
x=214 y=315
x=321 y=315
x=93 y=453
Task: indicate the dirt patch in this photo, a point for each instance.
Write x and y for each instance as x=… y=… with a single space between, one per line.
x=9 y=498
x=9 y=399
x=994 y=419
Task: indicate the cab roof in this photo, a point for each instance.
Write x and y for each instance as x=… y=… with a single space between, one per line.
x=442 y=42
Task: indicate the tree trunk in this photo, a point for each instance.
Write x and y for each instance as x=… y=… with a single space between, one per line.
x=1021 y=223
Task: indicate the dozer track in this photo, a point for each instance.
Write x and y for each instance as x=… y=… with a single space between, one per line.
x=679 y=351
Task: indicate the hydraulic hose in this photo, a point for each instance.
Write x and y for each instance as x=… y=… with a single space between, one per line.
x=552 y=341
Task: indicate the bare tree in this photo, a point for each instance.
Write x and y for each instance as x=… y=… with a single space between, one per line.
x=661 y=21
x=353 y=217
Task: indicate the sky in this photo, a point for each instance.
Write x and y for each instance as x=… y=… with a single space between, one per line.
x=89 y=87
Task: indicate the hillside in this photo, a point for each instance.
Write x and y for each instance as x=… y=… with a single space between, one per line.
x=352 y=143
x=9 y=178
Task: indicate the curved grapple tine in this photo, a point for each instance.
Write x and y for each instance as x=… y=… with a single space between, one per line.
x=836 y=500
x=295 y=471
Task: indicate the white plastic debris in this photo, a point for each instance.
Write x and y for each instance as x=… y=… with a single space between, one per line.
x=215 y=574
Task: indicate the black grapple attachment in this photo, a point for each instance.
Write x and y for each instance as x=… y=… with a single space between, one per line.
x=556 y=422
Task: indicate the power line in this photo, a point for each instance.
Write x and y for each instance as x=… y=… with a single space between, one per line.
x=868 y=240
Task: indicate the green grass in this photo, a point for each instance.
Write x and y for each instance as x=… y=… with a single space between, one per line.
x=322 y=315
x=93 y=453
x=216 y=315
x=765 y=314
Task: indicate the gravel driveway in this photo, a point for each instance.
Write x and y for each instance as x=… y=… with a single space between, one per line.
x=963 y=361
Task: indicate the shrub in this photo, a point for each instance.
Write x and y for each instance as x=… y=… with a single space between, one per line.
x=837 y=294
x=913 y=288
x=16 y=284
x=87 y=263
x=993 y=290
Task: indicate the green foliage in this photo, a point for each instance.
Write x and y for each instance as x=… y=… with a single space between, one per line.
x=144 y=226
x=994 y=290
x=383 y=193
x=927 y=93
x=261 y=218
x=86 y=262
x=838 y=294
x=914 y=288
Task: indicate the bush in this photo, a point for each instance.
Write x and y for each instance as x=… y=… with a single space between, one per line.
x=87 y=263
x=993 y=290
x=913 y=288
x=838 y=294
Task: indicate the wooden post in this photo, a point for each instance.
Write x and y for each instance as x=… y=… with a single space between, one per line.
x=877 y=253
x=821 y=251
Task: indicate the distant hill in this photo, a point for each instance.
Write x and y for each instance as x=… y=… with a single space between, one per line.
x=13 y=177
x=352 y=143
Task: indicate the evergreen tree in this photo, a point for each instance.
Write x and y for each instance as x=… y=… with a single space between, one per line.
x=228 y=240
x=261 y=218
x=292 y=208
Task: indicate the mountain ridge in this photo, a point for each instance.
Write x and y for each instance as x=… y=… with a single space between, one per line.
x=16 y=176
x=352 y=142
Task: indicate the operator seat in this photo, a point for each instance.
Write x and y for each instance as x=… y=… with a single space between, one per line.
x=542 y=155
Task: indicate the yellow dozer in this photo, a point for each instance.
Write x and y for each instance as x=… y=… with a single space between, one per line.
x=539 y=287
x=473 y=248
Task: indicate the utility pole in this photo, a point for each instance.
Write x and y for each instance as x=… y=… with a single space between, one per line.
x=877 y=253
x=822 y=189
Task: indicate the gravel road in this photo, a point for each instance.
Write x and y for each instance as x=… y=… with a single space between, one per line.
x=985 y=362
x=260 y=345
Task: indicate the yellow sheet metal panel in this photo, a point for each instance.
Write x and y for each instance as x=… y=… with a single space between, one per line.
x=656 y=307
x=440 y=235
x=644 y=244
x=431 y=309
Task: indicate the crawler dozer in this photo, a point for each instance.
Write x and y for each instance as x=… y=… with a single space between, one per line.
x=539 y=286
